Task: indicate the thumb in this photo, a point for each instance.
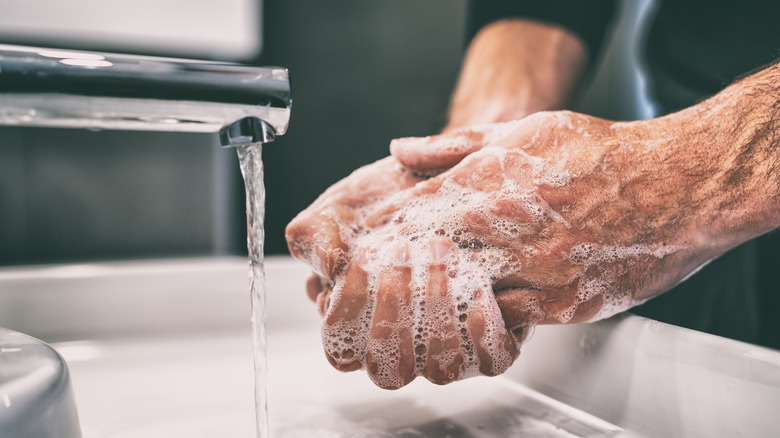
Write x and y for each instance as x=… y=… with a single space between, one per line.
x=438 y=152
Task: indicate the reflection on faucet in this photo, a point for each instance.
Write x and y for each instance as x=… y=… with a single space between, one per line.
x=45 y=87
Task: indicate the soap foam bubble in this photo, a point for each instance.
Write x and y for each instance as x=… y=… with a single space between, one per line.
x=467 y=271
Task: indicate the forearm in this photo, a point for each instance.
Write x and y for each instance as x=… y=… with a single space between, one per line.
x=714 y=166
x=514 y=68
x=746 y=187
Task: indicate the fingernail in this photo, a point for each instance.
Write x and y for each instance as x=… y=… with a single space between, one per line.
x=439 y=250
x=402 y=253
x=323 y=254
x=323 y=302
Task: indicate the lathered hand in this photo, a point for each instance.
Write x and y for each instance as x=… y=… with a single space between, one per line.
x=569 y=218
x=557 y=218
x=577 y=218
x=536 y=221
x=366 y=294
x=322 y=234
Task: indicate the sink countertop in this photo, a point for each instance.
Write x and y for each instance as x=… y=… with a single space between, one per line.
x=162 y=348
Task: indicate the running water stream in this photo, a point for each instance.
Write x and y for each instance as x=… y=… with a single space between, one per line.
x=250 y=159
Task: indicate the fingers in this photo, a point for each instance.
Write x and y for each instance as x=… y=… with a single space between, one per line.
x=323 y=302
x=440 y=353
x=526 y=307
x=466 y=334
x=346 y=320
x=315 y=238
x=390 y=358
x=323 y=234
x=436 y=153
x=319 y=291
x=535 y=134
x=495 y=348
x=314 y=286
x=444 y=329
x=426 y=155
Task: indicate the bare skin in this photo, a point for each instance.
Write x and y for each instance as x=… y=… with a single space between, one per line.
x=628 y=209
x=557 y=218
x=514 y=68
x=547 y=68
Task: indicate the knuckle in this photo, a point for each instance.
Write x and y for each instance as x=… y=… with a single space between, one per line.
x=332 y=260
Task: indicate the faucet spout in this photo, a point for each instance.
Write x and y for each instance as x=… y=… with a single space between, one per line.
x=63 y=88
x=246 y=132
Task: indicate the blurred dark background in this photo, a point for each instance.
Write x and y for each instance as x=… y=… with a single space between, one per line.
x=362 y=71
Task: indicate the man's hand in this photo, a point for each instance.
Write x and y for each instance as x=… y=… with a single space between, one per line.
x=547 y=62
x=513 y=68
x=373 y=313
x=543 y=220
x=557 y=218
x=322 y=234
x=570 y=217
x=599 y=216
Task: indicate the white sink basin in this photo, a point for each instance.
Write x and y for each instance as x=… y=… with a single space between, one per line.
x=36 y=397
x=163 y=349
x=203 y=388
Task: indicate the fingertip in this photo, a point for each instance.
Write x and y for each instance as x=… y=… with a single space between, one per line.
x=405 y=149
x=401 y=252
x=436 y=153
x=493 y=345
x=314 y=286
x=373 y=367
x=296 y=235
x=341 y=364
x=323 y=302
x=441 y=374
x=343 y=328
x=390 y=356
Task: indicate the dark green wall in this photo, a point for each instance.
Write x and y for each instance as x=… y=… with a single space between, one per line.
x=363 y=73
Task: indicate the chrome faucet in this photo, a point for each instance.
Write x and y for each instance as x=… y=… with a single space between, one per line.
x=65 y=88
